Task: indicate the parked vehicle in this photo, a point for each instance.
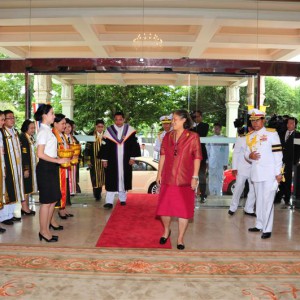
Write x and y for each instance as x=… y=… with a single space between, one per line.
x=144 y=175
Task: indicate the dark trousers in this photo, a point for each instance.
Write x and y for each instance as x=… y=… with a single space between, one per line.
x=284 y=188
x=202 y=179
x=97 y=193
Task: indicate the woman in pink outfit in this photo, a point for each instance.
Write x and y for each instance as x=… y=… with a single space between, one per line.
x=180 y=157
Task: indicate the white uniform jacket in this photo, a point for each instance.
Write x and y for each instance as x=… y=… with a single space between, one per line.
x=239 y=162
x=267 y=143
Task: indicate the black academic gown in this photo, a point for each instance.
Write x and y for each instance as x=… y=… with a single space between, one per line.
x=27 y=163
x=108 y=151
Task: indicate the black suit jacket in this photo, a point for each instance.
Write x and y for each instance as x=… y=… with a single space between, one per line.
x=202 y=130
x=290 y=151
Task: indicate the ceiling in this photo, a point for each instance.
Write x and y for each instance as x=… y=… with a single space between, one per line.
x=193 y=29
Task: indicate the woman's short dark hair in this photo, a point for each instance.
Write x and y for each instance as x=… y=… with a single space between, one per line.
x=26 y=124
x=184 y=114
x=42 y=110
x=59 y=117
x=69 y=121
x=99 y=121
x=1 y=112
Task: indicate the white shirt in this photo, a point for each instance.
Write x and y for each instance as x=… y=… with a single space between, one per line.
x=287 y=134
x=47 y=138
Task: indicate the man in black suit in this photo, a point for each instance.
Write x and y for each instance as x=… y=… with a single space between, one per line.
x=202 y=130
x=291 y=155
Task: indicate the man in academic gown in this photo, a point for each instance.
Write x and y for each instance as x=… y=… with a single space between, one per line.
x=91 y=156
x=118 y=151
x=13 y=169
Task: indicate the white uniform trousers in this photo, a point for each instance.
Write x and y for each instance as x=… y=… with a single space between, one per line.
x=265 y=193
x=238 y=190
x=111 y=195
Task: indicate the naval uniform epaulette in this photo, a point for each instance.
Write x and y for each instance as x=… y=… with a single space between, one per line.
x=249 y=132
x=271 y=129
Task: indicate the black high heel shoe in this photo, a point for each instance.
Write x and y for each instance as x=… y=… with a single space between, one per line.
x=180 y=247
x=163 y=240
x=62 y=217
x=56 y=228
x=70 y=215
x=52 y=240
x=55 y=237
x=31 y=213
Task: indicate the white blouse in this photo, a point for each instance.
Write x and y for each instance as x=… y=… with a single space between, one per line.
x=47 y=138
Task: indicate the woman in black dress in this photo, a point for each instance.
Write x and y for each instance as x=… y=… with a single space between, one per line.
x=47 y=170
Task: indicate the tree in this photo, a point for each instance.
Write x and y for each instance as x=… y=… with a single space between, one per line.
x=142 y=105
x=280 y=97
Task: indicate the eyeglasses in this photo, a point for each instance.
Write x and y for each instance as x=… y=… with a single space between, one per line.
x=10 y=118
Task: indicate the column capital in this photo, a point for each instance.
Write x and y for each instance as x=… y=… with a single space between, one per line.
x=42 y=88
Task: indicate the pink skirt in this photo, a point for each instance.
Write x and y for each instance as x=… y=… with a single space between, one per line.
x=176 y=201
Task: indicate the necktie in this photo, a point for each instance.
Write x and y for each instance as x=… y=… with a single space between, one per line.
x=288 y=135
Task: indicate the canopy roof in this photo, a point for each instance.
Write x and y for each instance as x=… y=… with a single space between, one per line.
x=193 y=29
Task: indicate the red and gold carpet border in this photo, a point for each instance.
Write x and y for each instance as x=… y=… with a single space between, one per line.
x=149 y=262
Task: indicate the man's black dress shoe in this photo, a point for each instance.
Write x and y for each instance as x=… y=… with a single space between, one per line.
x=2 y=230
x=123 y=203
x=230 y=212
x=163 y=240
x=108 y=206
x=56 y=228
x=250 y=214
x=180 y=247
x=8 y=222
x=254 y=229
x=266 y=235
x=14 y=219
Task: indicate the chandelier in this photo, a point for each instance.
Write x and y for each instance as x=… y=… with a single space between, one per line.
x=147 y=40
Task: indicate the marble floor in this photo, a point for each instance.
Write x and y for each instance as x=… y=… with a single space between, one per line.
x=211 y=229
x=213 y=237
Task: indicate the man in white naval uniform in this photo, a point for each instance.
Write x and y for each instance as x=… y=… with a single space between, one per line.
x=265 y=152
x=166 y=123
x=241 y=168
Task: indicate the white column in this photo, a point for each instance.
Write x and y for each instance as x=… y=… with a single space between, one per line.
x=42 y=88
x=67 y=100
x=232 y=106
x=262 y=96
x=250 y=92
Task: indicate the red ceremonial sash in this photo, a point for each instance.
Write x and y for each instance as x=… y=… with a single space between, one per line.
x=62 y=172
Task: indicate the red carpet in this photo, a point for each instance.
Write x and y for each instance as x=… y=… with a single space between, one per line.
x=134 y=225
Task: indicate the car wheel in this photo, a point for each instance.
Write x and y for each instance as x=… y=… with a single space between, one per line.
x=152 y=188
x=231 y=187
